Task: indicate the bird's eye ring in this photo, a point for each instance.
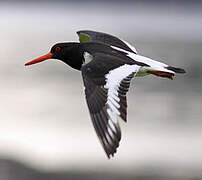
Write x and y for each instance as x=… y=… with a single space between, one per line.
x=57 y=48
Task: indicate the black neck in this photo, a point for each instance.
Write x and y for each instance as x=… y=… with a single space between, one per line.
x=73 y=55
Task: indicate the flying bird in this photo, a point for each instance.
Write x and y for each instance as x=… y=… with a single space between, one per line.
x=107 y=64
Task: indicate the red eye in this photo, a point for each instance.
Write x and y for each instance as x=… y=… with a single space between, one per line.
x=57 y=49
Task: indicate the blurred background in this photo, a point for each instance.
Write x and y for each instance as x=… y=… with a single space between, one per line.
x=45 y=128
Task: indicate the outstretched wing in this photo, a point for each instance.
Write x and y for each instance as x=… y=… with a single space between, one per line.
x=106 y=85
x=93 y=36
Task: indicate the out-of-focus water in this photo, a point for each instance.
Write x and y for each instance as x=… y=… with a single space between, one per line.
x=43 y=115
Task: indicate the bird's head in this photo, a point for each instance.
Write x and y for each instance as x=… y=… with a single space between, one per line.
x=69 y=53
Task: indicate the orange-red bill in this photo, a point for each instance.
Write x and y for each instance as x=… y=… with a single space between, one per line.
x=40 y=59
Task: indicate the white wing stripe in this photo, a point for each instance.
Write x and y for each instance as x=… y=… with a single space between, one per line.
x=154 y=65
x=114 y=102
x=112 y=116
x=119 y=49
x=112 y=127
x=109 y=139
x=114 y=94
x=113 y=80
x=113 y=108
x=130 y=46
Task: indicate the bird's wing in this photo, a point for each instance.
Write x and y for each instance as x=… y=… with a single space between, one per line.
x=93 y=36
x=106 y=85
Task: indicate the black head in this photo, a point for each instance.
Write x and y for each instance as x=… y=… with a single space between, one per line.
x=69 y=53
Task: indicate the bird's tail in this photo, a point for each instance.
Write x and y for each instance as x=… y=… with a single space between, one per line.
x=155 y=67
x=176 y=70
x=166 y=74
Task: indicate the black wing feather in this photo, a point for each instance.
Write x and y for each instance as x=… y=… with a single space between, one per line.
x=94 y=79
x=93 y=36
x=96 y=97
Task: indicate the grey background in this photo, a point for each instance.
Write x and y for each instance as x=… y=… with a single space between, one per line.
x=45 y=127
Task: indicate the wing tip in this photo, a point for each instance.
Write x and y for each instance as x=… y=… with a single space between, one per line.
x=111 y=146
x=111 y=153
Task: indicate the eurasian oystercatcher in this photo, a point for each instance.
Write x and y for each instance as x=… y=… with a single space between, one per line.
x=107 y=64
